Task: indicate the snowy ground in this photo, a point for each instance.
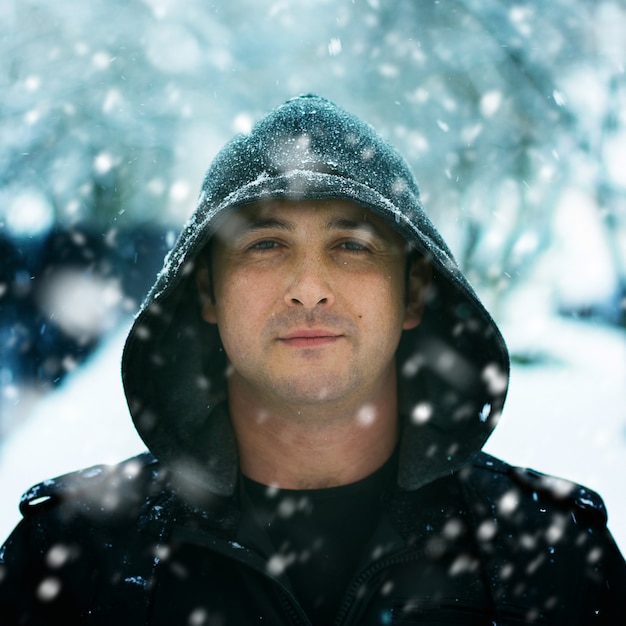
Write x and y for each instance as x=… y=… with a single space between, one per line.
x=566 y=417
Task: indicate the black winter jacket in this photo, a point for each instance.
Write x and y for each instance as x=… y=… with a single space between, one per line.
x=462 y=538
x=488 y=544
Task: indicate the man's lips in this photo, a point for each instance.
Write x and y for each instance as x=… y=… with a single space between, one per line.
x=309 y=337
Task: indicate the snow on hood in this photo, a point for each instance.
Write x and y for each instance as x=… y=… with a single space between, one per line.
x=453 y=368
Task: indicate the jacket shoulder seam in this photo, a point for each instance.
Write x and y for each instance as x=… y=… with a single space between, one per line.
x=52 y=491
x=559 y=492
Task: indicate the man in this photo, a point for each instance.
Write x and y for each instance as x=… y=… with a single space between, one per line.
x=314 y=379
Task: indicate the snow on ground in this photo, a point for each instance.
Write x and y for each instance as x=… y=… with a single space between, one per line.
x=565 y=416
x=83 y=422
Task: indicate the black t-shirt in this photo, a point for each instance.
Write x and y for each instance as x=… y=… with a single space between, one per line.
x=319 y=535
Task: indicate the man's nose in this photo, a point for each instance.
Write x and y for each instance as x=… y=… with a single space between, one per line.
x=309 y=284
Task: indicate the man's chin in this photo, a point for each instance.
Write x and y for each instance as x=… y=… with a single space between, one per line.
x=308 y=391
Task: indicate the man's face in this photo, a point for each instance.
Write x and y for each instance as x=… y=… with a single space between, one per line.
x=310 y=301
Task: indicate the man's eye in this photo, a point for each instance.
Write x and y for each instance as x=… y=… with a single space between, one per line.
x=265 y=244
x=354 y=246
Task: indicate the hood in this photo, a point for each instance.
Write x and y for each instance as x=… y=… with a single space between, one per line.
x=453 y=368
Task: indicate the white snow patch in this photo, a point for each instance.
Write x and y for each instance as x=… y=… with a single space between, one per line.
x=82 y=423
x=82 y=304
x=580 y=256
x=567 y=417
x=27 y=212
x=490 y=103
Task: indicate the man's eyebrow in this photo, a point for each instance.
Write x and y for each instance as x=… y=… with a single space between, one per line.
x=344 y=223
x=252 y=223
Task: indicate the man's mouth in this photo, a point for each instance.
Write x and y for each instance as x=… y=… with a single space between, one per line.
x=309 y=337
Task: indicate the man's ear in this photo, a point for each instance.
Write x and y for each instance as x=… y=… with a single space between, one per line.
x=418 y=285
x=205 y=294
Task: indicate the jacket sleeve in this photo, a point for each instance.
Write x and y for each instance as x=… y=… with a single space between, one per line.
x=32 y=589
x=77 y=544
x=612 y=601
x=592 y=544
x=546 y=545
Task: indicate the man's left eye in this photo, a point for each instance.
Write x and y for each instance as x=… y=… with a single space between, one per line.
x=354 y=246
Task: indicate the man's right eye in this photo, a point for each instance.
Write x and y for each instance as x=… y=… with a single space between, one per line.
x=264 y=244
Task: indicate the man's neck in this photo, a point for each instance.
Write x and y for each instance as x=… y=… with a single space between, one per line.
x=313 y=447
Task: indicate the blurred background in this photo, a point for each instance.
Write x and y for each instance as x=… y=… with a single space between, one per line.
x=512 y=115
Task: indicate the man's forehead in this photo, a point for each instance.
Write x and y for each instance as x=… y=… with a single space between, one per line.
x=285 y=214
x=328 y=205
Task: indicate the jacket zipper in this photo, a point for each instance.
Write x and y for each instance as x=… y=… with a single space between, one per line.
x=292 y=606
x=289 y=602
x=296 y=612
x=348 y=606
